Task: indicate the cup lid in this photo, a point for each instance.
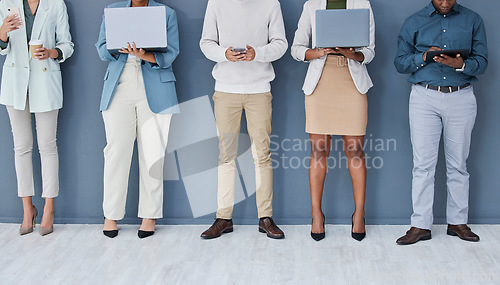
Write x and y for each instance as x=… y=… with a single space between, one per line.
x=35 y=42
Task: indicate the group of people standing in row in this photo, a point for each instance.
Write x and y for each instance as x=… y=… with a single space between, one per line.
x=139 y=99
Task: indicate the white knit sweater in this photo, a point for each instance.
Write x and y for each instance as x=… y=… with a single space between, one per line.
x=236 y=23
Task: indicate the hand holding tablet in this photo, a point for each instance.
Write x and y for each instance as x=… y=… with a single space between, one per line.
x=446 y=57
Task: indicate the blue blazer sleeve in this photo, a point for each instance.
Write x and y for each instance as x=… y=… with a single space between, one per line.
x=164 y=60
x=102 y=50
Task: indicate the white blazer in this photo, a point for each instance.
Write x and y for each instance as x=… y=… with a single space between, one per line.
x=20 y=73
x=307 y=29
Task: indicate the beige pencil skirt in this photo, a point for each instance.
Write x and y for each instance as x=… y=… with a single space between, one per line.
x=336 y=107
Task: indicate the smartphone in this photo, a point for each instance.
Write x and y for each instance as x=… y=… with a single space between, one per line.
x=14 y=11
x=240 y=50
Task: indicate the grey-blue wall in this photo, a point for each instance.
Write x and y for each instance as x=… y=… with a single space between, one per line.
x=81 y=133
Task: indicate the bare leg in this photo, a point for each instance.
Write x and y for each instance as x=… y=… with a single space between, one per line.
x=148 y=225
x=48 y=213
x=353 y=147
x=28 y=212
x=110 y=225
x=320 y=150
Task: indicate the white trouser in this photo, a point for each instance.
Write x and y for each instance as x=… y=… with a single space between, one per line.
x=129 y=118
x=46 y=130
x=433 y=113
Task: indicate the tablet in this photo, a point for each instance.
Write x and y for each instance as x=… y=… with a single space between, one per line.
x=464 y=53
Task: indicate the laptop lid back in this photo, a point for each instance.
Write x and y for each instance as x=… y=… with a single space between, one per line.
x=145 y=26
x=342 y=28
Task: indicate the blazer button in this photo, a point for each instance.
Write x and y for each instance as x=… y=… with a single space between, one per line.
x=44 y=69
x=13 y=65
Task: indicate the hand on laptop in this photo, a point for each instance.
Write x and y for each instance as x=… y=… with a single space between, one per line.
x=350 y=53
x=317 y=53
x=139 y=53
x=133 y=50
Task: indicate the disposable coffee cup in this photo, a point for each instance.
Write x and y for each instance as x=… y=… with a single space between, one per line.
x=34 y=44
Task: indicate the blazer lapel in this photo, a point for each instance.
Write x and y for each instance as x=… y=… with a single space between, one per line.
x=21 y=38
x=41 y=16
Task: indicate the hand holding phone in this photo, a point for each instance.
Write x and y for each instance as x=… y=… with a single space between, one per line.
x=11 y=23
x=240 y=50
x=233 y=55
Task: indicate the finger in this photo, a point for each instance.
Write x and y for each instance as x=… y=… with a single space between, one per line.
x=134 y=47
x=446 y=57
x=129 y=48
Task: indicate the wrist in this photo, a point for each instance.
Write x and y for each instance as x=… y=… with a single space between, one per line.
x=53 y=53
x=3 y=36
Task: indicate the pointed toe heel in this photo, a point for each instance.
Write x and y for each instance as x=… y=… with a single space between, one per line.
x=357 y=236
x=319 y=236
x=46 y=231
x=144 y=234
x=110 y=234
x=28 y=230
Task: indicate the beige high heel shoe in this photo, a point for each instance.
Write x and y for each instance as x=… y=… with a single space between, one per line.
x=27 y=230
x=46 y=231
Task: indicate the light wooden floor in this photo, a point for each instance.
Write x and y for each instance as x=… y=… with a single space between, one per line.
x=80 y=254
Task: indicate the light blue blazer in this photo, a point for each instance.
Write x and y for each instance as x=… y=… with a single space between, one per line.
x=159 y=79
x=41 y=78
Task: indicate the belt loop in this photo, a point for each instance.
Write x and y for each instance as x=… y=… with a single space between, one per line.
x=439 y=88
x=426 y=86
x=451 y=90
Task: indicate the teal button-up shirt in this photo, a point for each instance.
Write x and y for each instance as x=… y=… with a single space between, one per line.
x=462 y=28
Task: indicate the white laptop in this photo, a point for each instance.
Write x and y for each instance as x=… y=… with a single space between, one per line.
x=145 y=26
x=342 y=28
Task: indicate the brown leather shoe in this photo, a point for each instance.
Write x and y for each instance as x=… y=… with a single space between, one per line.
x=414 y=235
x=462 y=231
x=219 y=227
x=267 y=225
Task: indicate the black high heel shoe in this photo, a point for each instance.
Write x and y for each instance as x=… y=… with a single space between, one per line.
x=319 y=236
x=357 y=236
x=111 y=233
x=145 y=234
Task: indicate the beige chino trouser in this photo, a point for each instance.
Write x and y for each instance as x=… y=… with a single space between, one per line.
x=258 y=111
x=129 y=118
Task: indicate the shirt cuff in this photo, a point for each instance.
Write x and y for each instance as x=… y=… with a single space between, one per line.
x=59 y=54
x=3 y=45
x=419 y=60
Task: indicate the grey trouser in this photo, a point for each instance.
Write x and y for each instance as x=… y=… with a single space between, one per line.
x=46 y=129
x=433 y=113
